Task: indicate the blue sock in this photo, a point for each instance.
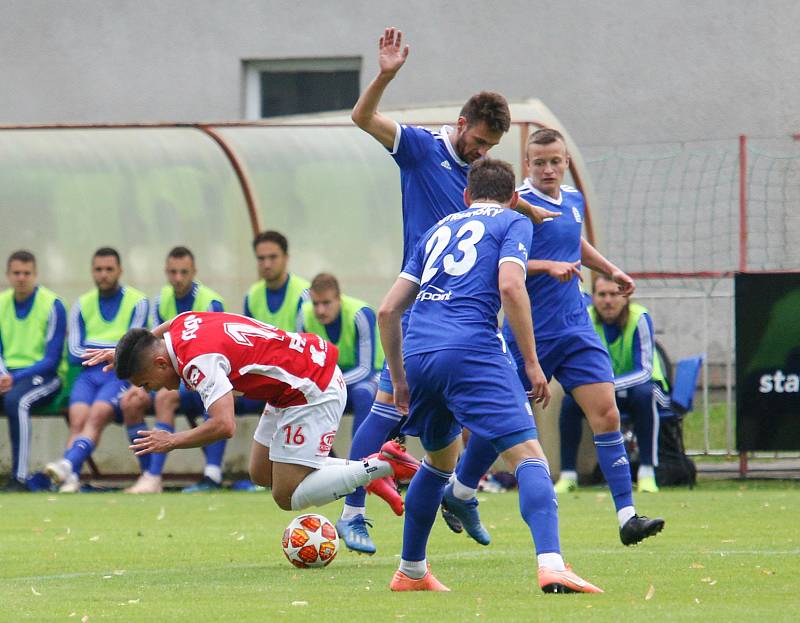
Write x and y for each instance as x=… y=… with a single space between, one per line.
x=144 y=459
x=423 y=498
x=478 y=457
x=538 y=504
x=215 y=451
x=371 y=435
x=616 y=467
x=157 y=460
x=80 y=450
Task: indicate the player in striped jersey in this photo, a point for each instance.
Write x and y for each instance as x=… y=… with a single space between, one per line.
x=33 y=324
x=217 y=354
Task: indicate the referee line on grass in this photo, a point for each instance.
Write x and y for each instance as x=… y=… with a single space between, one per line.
x=617 y=551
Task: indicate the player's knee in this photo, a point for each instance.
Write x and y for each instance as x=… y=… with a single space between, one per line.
x=167 y=399
x=260 y=475
x=135 y=401
x=283 y=498
x=605 y=420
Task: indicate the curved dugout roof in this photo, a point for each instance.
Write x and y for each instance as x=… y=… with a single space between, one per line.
x=332 y=189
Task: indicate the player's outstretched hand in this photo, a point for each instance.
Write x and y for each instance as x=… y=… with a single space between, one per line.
x=96 y=356
x=391 y=55
x=401 y=397
x=564 y=271
x=540 y=390
x=536 y=213
x=626 y=284
x=540 y=215
x=151 y=441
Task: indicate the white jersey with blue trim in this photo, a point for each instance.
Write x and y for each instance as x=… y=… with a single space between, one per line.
x=432 y=180
x=456 y=265
x=558 y=308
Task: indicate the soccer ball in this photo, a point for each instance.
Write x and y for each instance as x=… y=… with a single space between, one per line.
x=310 y=541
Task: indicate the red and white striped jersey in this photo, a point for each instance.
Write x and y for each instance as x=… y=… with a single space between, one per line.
x=217 y=352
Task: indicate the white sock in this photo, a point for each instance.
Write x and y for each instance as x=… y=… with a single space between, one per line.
x=462 y=491
x=348 y=512
x=645 y=471
x=553 y=561
x=336 y=479
x=214 y=472
x=415 y=569
x=568 y=474
x=624 y=514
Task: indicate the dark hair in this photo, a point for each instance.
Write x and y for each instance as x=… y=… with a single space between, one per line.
x=489 y=107
x=272 y=236
x=21 y=256
x=179 y=252
x=491 y=179
x=622 y=320
x=324 y=282
x=107 y=252
x=130 y=351
x=546 y=136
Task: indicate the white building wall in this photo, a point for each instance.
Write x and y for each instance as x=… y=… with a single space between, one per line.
x=616 y=72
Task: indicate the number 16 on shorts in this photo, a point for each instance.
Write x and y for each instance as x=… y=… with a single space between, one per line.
x=293 y=435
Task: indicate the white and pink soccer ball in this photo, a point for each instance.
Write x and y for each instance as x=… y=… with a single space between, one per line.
x=310 y=541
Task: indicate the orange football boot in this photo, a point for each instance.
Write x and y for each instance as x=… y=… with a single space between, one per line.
x=566 y=581
x=401 y=582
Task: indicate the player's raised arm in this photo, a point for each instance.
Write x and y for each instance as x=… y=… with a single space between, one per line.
x=593 y=259
x=391 y=56
x=402 y=294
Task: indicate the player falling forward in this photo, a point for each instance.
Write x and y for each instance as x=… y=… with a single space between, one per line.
x=217 y=353
x=458 y=374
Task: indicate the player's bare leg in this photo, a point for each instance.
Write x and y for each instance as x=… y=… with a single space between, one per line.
x=260 y=465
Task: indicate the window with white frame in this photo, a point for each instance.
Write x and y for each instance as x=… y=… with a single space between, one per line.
x=299 y=86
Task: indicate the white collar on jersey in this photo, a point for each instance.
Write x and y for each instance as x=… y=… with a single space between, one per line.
x=171 y=351
x=541 y=195
x=445 y=132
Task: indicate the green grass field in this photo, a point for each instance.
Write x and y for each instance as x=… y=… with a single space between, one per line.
x=730 y=552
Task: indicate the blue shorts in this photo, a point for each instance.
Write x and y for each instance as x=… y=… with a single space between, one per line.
x=93 y=385
x=385 y=380
x=451 y=389
x=575 y=359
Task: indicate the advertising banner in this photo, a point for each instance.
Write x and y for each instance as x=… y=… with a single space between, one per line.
x=768 y=361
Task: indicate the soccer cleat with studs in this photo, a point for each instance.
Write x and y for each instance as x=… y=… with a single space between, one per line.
x=638 y=528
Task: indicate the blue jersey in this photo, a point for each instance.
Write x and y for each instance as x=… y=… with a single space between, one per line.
x=432 y=180
x=558 y=308
x=456 y=266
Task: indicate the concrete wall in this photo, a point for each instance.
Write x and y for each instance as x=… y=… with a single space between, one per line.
x=616 y=72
